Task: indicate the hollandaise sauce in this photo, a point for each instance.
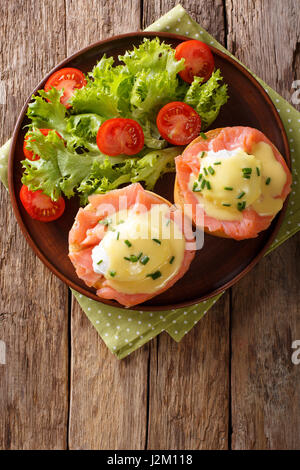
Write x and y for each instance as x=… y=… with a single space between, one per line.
x=230 y=181
x=140 y=251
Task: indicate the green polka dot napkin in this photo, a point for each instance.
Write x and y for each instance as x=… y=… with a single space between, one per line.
x=124 y=331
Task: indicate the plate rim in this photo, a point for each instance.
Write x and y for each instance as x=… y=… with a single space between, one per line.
x=22 y=114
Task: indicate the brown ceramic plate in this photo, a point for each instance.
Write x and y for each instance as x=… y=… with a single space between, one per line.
x=221 y=262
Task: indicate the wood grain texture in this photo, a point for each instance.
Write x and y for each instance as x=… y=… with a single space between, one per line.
x=209 y=13
x=188 y=394
x=265 y=316
x=185 y=385
x=108 y=398
x=108 y=408
x=189 y=386
x=33 y=315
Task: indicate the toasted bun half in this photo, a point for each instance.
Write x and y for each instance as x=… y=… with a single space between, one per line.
x=86 y=233
x=252 y=223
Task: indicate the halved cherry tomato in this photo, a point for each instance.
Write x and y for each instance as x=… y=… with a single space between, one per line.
x=178 y=123
x=29 y=153
x=198 y=58
x=69 y=79
x=119 y=135
x=41 y=207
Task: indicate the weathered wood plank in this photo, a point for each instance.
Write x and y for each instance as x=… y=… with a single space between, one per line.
x=265 y=317
x=33 y=315
x=210 y=14
x=108 y=397
x=189 y=383
x=188 y=393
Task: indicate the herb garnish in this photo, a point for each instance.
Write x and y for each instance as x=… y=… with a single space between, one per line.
x=144 y=260
x=241 y=205
x=154 y=275
x=105 y=222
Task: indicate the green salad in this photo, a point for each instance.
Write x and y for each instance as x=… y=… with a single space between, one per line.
x=145 y=81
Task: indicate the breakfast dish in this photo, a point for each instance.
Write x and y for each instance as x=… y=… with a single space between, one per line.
x=236 y=177
x=130 y=245
x=90 y=132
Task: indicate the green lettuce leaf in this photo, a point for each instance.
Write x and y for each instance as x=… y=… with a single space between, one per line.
x=47 y=112
x=105 y=176
x=106 y=92
x=207 y=98
x=152 y=56
x=63 y=170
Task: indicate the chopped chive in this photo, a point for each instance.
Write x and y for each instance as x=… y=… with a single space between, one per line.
x=200 y=176
x=99 y=262
x=172 y=259
x=128 y=243
x=133 y=258
x=154 y=275
x=144 y=260
x=195 y=186
x=226 y=204
x=217 y=163
x=203 y=135
x=205 y=171
x=203 y=184
x=247 y=170
x=208 y=185
x=241 y=195
x=202 y=154
x=156 y=241
x=228 y=188
x=112 y=273
x=118 y=235
x=258 y=171
x=241 y=205
x=105 y=222
x=211 y=170
x=246 y=176
x=268 y=180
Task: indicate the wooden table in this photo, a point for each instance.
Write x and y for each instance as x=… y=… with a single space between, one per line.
x=230 y=383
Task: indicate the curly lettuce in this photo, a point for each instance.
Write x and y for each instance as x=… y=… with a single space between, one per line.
x=145 y=79
x=64 y=171
x=207 y=98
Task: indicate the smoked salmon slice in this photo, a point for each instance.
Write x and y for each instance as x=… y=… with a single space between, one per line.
x=229 y=138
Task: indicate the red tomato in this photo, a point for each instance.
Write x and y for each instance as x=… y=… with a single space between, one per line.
x=119 y=135
x=198 y=58
x=178 y=123
x=69 y=79
x=41 y=207
x=29 y=153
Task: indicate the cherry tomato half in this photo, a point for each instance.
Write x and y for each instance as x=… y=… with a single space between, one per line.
x=69 y=79
x=178 y=123
x=41 y=207
x=198 y=58
x=119 y=135
x=29 y=153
